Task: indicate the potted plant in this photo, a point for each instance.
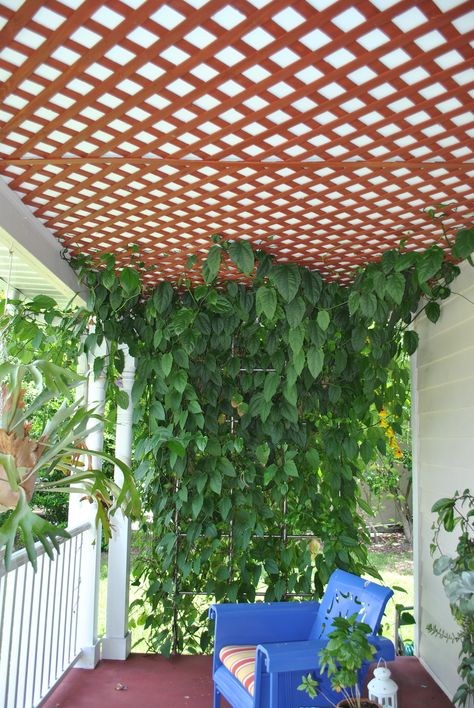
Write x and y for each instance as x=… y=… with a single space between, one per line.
x=27 y=461
x=456 y=513
x=342 y=658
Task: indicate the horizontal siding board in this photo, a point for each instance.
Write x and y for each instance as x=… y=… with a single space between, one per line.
x=448 y=397
x=445 y=454
x=438 y=424
x=448 y=370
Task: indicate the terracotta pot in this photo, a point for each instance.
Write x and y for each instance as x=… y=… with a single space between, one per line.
x=364 y=703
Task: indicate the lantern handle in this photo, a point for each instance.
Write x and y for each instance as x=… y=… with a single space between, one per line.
x=384 y=662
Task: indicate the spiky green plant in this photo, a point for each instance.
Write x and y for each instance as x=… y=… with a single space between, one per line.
x=26 y=463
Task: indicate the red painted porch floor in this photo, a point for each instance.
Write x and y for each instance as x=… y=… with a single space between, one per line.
x=152 y=681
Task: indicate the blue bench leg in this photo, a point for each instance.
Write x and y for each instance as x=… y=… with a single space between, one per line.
x=217 y=697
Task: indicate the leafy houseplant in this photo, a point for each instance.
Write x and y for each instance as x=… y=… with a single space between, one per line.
x=457 y=514
x=27 y=463
x=342 y=658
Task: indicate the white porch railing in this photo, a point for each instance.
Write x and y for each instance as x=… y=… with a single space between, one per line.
x=39 y=622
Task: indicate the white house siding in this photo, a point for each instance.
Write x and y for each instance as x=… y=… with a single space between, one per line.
x=443 y=382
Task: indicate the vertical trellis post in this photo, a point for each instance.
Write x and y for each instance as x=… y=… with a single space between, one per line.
x=117 y=641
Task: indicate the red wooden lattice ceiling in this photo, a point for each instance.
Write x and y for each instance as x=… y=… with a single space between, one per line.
x=320 y=130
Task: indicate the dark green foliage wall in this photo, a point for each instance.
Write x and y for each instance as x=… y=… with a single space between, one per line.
x=256 y=410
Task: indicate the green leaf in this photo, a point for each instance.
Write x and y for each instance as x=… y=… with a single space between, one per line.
x=295 y=311
x=410 y=341
x=368 y=304
x=166 y=362
x=212 y=264
x=215 y=482
x=312 y=285
x=354 y=302
x=224 y=505
x=272 y=381
x=197 y=504
x=395 y=287
x=122 y=399
x=290 y=469
x=262 y=453
x=130 y=281
x=179 y=380
x=162 y=297
x=315 y=361
x=242 y=255
x=312 y=457
x=266 y=302
x=157 y=411
x=323 y=319
x=296 y=339
x=108 y=278
x=429 y=264
x=464 y=244
x=358 y=337
x=433 y=311
x=286 y=279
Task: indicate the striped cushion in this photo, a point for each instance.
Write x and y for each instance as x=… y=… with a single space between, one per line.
x=240 y=660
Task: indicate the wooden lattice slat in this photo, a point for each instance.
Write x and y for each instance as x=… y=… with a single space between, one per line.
x=319 y=131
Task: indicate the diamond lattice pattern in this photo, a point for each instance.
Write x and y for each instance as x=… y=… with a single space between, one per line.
x=320 y=130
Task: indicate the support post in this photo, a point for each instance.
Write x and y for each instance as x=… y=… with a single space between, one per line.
x=90 y=578
x=117 y=641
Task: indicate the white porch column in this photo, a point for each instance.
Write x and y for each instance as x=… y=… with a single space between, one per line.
x=117 y=641
x=90 y=575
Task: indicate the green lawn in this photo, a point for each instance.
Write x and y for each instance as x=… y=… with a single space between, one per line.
x=392 y=560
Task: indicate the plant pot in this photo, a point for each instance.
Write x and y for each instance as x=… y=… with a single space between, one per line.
x=363 y=703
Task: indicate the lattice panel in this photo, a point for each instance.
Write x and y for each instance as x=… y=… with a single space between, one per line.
x=319 y=130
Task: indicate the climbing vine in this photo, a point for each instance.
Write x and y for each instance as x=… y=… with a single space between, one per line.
x=257 y=404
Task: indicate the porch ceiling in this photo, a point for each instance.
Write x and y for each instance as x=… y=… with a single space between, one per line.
x=319 y=130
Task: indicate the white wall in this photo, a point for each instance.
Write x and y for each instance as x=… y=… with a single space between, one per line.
x=443 y=388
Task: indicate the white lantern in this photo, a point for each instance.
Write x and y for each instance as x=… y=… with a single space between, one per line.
x=383 y=689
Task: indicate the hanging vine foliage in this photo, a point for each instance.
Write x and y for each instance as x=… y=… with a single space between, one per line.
x=256 y=411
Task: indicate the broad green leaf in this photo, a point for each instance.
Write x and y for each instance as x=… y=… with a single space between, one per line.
x=290 y=469
x=296 y=339
x=212 y=264
x=410 y=341
x=295 y=311
x=179 y=380
x=130 y=281
x=157 y=411
x=315 y=361
x=181 y=358
x=262 y=453
x=272 y=381
x=108 y=278
x=354 y=301
x=395 y=287
x=224 y=505
x=181 y=320
x=312 y=457
x=177 y=447
x=464 y=244
x=269 y=474
x=166 y=362
x=122 y=399
x=429 y=264
x=286 y=279
x=433 y=311
x=266 y=302
x=298 y=361
x=197 y=504
x=162 y=297
x=312 y=285
x=358 y=337
x=368 y=304
x=290 y=393
x=215 y=482
x=242 y=255
x=323 y=319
